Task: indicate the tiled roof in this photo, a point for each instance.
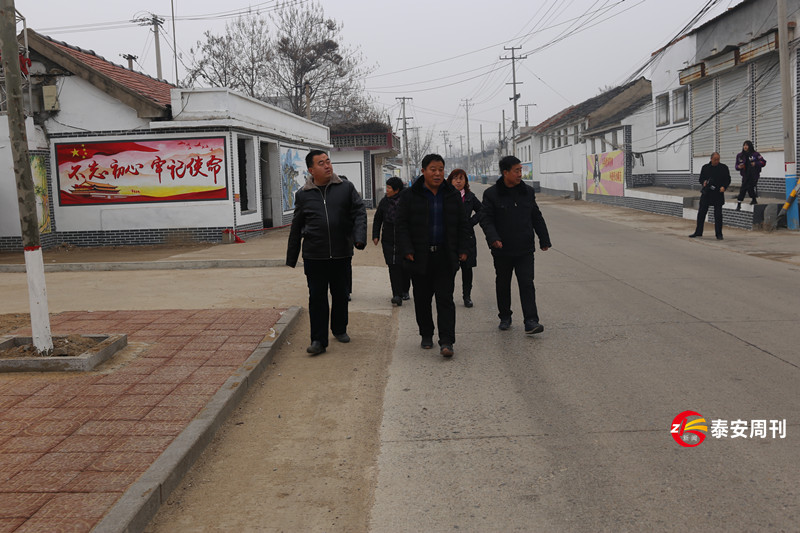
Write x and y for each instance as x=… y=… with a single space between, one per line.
x=155 y=90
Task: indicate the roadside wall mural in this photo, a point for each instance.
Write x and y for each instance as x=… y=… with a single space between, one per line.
x=122 y=172
x=293 y=174
x=605 y=173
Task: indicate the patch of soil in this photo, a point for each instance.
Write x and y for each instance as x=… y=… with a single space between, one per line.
x=69 y=346
x=13 y=321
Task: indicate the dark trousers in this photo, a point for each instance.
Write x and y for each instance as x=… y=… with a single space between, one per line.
x=439 y=281
x=466 y=281
x=522 y=266
x=748 y=187
x=701 y=216
x=322 y=275
x=399 y=279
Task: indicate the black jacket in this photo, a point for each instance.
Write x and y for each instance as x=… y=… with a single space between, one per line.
x=328 y=220
x=511 y=215
x=412 y=225
x=473 y=208
x=717 y=176
x=386 y=218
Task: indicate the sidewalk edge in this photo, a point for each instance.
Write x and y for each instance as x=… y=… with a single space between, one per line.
x=139 y=504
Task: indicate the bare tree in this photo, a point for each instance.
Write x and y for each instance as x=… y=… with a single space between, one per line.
x=239 y=59
x=419 y=148
x=311 y=62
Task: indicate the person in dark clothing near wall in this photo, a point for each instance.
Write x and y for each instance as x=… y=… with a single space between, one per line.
x=749 y=164
x=458 y=179
x=386 y=219
x=432 y=233
x=715 y=178
x=510 y=217
x=329 y=217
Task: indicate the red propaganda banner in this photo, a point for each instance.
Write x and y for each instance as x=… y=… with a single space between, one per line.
x=123 y=172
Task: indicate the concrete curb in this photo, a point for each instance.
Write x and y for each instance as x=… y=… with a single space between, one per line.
x=139 y=504
x=152 y=265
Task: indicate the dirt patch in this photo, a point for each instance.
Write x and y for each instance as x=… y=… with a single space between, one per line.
x=69 y=346
x=13 y=321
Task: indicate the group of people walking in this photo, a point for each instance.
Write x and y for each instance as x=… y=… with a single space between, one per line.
x=715 y=178
x=427 y=234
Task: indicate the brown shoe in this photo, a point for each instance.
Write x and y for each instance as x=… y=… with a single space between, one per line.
x=447 y=350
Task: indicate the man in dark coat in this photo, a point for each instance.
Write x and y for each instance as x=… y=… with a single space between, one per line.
x=329 y=217
x=510 y=217
x=385 y=219
x=715 y=178
x=432 y=235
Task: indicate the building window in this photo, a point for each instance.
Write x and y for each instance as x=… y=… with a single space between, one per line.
x=614 y=143
x=680 y=105
x=575 y=133
x=662 y=110
x=594 y=147
x=541 y=144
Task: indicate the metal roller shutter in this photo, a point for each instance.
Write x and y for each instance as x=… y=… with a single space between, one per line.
x=769 y=119
x=703 y=108
x=735 y=120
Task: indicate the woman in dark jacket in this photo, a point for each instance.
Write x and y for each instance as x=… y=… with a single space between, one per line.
x=749 y=164
x=458 y=179
x=386 y=218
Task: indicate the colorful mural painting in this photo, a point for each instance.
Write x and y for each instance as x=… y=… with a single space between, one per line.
x=39 y=172
x=605 y=173
x=527 y=171
x=293 y=174
x=121 y=172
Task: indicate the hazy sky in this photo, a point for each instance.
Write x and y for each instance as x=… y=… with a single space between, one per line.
x=437 y=52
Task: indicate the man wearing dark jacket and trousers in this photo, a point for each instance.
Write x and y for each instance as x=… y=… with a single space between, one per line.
x=715 y=179
x=432 y=235
x=510 y=217
x=329 y=216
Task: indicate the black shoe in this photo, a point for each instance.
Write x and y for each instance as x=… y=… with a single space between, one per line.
x=719 y=237
x=342 y=337
x=405 y=296
x=316 y=348
x=753 y=201
x=739 y=206
x=427 y=343
x=532 y=327
x=505 y=323
x=397 y=300
x=693 y=235
x=467 y=302
x=447 y=350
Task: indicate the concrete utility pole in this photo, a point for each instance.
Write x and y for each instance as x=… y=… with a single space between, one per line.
x=405 y=137
x=156 y=22
x=469 y=154
x=444 y=138
x=526 y=106
x=513 y=59
x=29 y=223
x=483 y=157
x=174 y=41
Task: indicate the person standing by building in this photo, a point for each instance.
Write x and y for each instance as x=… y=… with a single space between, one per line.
x=510 y=217
x=715 y=178
x=458 y=179
x=386 y=219
x=329 y=219
x=749 y=164
x=432 y=233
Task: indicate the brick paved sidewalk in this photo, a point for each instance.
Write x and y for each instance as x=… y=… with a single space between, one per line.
x=72 y=443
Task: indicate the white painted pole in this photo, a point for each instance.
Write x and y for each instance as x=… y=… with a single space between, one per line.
x=37 y=299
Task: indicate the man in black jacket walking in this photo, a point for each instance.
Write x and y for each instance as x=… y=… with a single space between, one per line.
x=715 y=178
x=432 y=237
x=329 y=217
x=510 y=219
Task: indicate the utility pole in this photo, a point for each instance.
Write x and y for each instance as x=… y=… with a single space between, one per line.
x=174 y=43
x=467 y=105
x=461 y=141
x=790 y=168
x=156 y=23
x=483 y=157
x=513 y=59
x=444 y=137
x=29 y=223
x=307 y=89
x=405 y=136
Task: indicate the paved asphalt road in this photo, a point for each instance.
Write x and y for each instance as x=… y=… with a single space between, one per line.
x=570 y=430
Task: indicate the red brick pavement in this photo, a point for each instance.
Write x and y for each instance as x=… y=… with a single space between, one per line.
x=72 y=443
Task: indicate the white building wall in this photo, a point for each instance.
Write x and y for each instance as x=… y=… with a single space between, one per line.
x=83 y=107
x=642 y=135
x=351 y=164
